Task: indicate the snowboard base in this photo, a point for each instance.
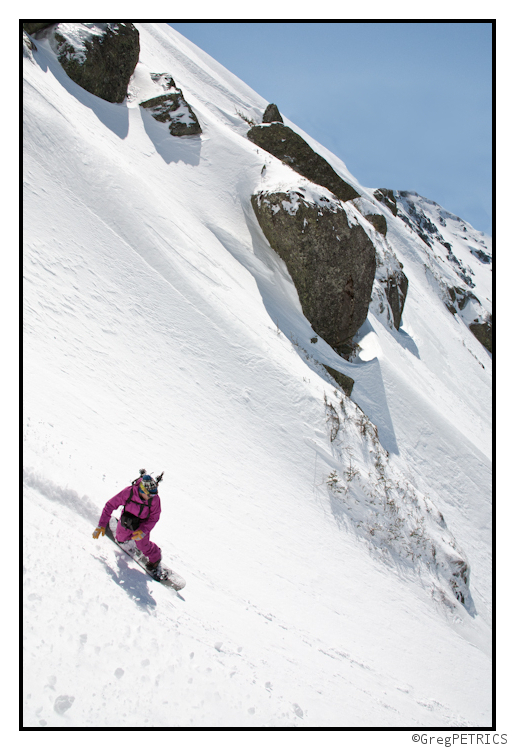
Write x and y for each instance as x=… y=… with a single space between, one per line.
x=162 y=574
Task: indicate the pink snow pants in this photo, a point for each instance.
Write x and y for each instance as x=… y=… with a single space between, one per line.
x=149 y=549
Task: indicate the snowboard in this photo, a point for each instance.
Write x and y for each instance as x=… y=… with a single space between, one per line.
x=162 y=574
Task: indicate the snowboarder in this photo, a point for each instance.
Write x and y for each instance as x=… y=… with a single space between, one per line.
x=141 y=512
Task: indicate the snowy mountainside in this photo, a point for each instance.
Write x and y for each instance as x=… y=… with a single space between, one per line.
x=443 y=226
x=336 y=550
x=458 y=257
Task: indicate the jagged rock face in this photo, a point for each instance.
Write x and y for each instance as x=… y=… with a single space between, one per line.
x=104 y=60
x=272 y=114
x=396 y=288
x=173 y=109
x=332 y=263
x=391 y=287
x=383 y=195
x=445 y=261
x=421 y=224
x=459 y=298
x=293 y=150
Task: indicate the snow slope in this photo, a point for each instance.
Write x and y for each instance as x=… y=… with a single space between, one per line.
x=161 y=331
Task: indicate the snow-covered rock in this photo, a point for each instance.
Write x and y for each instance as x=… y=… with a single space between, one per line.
x=99 y=56
x=330 y=258
x=458 y=257
x=288 y=146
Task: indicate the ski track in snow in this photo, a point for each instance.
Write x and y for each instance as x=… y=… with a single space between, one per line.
x=162 y=331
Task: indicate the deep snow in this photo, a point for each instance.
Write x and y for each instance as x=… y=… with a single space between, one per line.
x=161 y=331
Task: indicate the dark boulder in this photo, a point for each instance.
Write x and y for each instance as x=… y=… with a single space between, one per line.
x=293 y=150
x=332 y=263
x=173 y=109
x=272 y=114
x=105 y=64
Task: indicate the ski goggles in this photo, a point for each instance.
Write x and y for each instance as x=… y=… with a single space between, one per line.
x=149 y=488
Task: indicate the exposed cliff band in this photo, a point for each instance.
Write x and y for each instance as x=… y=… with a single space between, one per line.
x=332 y=263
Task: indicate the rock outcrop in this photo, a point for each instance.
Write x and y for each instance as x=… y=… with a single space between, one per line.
x=483 y=332
x=391 y=287
x=396 y=288
x=332 y=261
x=413 y=215
x=293 y=150
x=459 y=298
x=453 y=249
x=344 y=381
x=464 y=303
x=378 y=221
x=272 y=114
x=386 y=196
x=100 y=57
x=172 y=108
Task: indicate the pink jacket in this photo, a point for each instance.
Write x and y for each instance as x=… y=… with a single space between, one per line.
x=149 y=514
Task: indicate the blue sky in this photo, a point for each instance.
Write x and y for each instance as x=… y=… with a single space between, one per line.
x=406 y=106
